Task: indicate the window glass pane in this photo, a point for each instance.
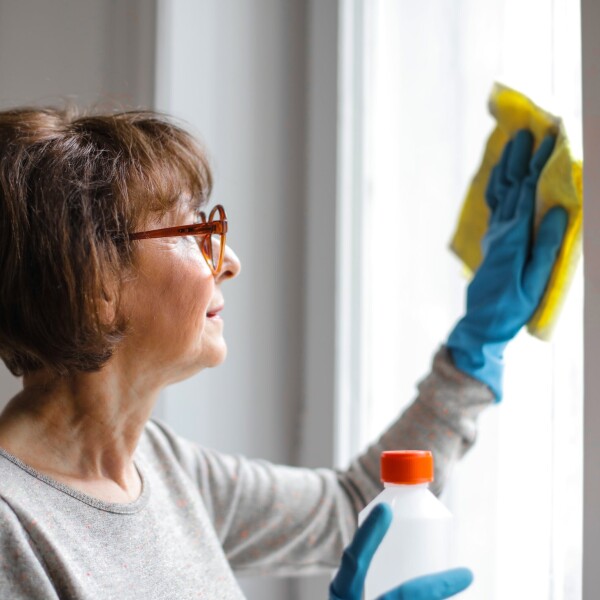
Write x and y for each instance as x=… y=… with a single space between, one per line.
x=429 y=70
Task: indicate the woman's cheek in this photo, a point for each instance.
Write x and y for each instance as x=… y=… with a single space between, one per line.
x=196 y=300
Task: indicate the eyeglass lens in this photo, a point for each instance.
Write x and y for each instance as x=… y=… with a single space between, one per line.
x=211 y=247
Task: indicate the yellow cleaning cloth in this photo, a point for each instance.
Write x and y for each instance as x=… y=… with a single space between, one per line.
x=561 y=182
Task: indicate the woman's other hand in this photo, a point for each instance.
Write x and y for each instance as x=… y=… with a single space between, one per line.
x=350 y=579
x=512 y=278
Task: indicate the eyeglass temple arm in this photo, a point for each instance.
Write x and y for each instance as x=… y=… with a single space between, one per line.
x=219 y=227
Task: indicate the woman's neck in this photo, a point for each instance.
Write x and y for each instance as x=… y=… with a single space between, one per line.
x=82 y=430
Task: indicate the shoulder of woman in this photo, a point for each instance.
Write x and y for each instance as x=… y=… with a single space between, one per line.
x=160 y=442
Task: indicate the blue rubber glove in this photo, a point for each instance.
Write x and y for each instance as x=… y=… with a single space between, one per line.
x=512 y=278
x=350 y=579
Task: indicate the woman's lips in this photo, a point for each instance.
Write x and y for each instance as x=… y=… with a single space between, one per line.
x=214 y=313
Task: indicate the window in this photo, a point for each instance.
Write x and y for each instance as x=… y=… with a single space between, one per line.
x=415 y=81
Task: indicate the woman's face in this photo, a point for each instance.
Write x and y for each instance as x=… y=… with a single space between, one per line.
x=173 y=304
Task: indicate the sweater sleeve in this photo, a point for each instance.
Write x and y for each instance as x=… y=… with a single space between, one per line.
x=290 y=521
x=22 y=573
x=443 y=419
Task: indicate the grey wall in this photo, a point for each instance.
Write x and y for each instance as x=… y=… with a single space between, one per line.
x=590 y=16
x=86 y=51
x=318 y=409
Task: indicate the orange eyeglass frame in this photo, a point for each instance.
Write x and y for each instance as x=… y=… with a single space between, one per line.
x=207 y=228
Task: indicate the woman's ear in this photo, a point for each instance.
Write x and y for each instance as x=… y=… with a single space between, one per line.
x=107 y=305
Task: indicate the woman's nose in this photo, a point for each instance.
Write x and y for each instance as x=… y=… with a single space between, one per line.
x=231 y=265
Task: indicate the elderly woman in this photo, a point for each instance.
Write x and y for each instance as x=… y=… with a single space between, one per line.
x=111 y=287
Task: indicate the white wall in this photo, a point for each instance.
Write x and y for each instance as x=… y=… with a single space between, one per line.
x=243 y=94
x=235 y=72
x=263 y=96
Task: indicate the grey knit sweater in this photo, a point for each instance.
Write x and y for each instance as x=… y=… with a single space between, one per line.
x=203 y=515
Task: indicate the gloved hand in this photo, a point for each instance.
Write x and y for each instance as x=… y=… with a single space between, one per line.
x=512 y=278
x=349 y=581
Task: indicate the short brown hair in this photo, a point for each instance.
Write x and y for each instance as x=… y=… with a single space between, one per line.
x=71 y=188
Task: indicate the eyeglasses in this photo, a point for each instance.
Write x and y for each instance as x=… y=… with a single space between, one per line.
x=212 y=234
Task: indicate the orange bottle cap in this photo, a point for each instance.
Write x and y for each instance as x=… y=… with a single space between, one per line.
x=406 y=466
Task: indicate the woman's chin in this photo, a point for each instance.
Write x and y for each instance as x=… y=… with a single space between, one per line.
x=206 y=360
x=216 y=356
x=219 y=361
x=207 y=355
